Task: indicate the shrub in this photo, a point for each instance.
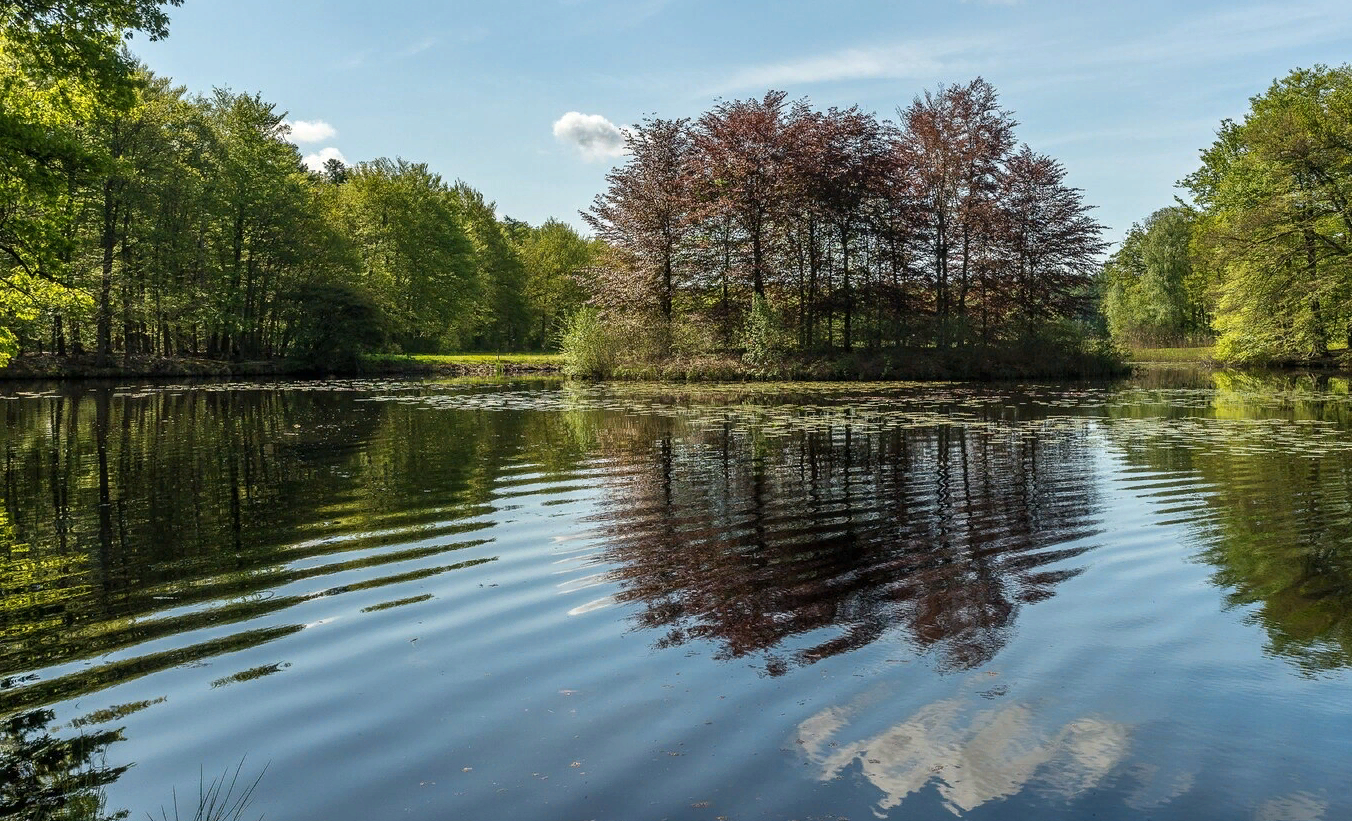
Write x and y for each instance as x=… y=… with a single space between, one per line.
x=590 y=348
x=764 y=338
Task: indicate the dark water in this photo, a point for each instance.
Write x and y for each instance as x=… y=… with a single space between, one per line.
x=530 y=601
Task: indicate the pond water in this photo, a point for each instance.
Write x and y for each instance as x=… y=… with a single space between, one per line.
x=528 y=600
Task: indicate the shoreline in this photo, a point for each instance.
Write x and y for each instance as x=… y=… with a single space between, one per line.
x=910 y=365
x=47 y=368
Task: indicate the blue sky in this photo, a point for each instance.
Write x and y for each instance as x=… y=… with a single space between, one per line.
x=1123 y=93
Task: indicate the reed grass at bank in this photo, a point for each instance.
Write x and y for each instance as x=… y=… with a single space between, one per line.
x=974 y=364
x=990 y=363
x=1197 y=355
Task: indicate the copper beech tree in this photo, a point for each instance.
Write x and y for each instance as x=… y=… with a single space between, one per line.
x=935 y=230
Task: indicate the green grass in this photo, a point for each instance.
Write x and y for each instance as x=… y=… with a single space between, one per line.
x=1198 y=355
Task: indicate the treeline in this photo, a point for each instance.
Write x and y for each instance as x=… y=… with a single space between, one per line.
x=769 y=226
x=1155 y=293
x=138 y=219
x=1262 y=260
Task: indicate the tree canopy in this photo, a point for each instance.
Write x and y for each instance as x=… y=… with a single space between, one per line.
x=842 y=230
x=1264 y=260
x=137 y=218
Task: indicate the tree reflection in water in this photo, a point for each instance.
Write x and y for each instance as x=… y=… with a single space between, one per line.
x=939 y=532
x=1271 y=454
x=43 y=776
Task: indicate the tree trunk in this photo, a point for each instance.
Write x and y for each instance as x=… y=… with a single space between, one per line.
x=108 y=242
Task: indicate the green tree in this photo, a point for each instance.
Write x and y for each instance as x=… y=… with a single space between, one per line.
x=417 y=258
x=1275 y=189
x=82 y=39
x=1154 y=294
x=498 y=319
x=42 y=160
x=556 y=258
x=263 y=222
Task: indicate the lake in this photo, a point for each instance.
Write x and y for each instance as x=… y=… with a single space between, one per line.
x=535 y=600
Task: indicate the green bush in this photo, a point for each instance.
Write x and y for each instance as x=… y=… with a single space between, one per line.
x=590 y=348
x=764 y=339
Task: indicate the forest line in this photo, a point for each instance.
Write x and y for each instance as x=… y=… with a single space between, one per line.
x=137 y=219
x=1260 y=261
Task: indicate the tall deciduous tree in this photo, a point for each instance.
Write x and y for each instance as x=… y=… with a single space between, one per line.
x=500 y=319
x=845 y=176
x=1153 y=293
x=955 y=142
x=1052 y=245
x=416 y=254
x=1276 y=189
x=557 y=261
x=740 y=162
x=646 y=216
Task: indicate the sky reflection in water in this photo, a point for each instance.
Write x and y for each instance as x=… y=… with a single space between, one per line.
x=742 y=601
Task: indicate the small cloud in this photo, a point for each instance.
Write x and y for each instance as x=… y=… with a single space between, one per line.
x=315 y=161
x=310 y=131
x=419 y=47
x=355 y=60
x=595 y=136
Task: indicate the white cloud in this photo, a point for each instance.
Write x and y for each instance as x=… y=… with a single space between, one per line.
x=905 y=61
x=595 y=136
x=310 y=131
x=315 y=161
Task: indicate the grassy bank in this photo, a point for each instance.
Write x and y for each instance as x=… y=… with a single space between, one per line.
x=1201 y=356
x=984 y=364
x=1338 y=359
x=465 y=364
x=88 y=367
x=977 y=364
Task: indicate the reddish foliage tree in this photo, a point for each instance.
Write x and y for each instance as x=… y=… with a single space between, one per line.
x=646 y=216
x=955 y=143
x=911 y=233
x=1051 y=245
x=739 y=160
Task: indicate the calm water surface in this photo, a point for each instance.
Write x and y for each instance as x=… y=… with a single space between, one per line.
x=466 y=600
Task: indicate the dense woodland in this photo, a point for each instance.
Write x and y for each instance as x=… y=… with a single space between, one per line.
x=140 y=219
x=770 y=226
x=1262 y=261
x=137 y=218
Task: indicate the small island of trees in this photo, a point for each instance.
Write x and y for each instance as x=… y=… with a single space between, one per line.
x=935 y=245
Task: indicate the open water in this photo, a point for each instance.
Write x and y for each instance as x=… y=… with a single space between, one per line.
x=527 y=600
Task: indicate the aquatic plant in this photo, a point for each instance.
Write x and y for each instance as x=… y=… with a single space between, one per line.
x=224 y=798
